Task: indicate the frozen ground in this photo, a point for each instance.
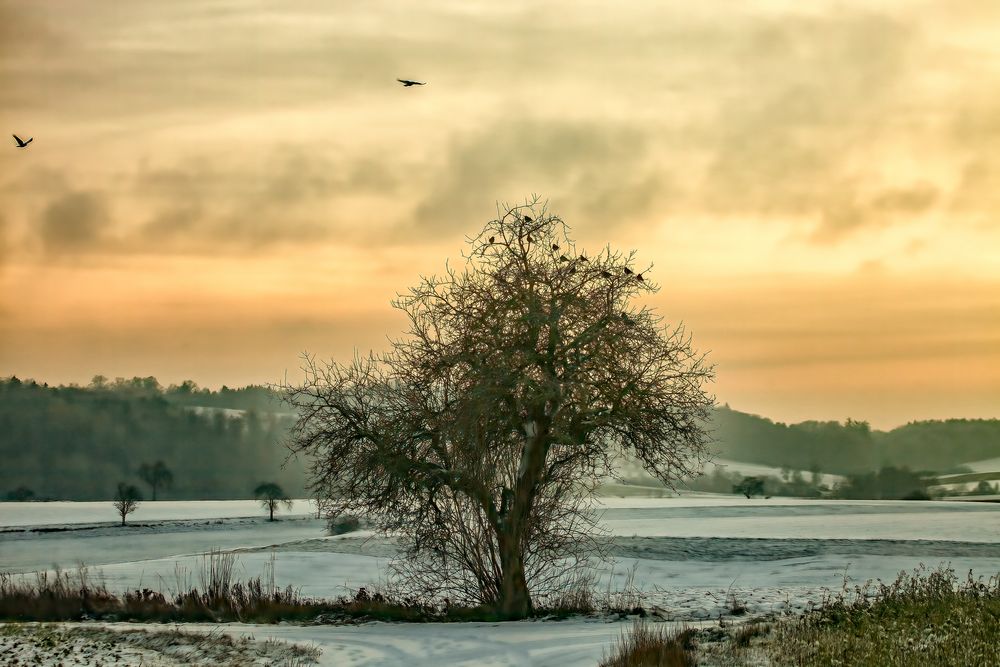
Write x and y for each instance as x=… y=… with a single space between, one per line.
x=986 y=465
x=692 y=556
x=70 y=513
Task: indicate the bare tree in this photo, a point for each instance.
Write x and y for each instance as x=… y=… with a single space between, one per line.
x=270 y=496
x=156 y=475
x=126 y=500
x=480 y=435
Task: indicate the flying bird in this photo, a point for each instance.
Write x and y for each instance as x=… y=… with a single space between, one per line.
x=407 y=83
x=20 y=142
x=627 y=271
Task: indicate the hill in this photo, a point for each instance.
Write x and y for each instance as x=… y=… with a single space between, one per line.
x=77 y=443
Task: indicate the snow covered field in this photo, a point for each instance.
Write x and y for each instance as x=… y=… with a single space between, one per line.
x=69 y=513
x=692 y=555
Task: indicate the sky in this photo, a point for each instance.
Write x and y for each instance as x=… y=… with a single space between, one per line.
x=217 y=186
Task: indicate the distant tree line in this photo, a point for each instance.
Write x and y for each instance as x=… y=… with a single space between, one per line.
x=888 y=483
x=853 y=447
x=72 y=442
x=78 y=443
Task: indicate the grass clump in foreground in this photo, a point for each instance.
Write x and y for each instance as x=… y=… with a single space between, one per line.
x=648 y=646
x=923 y=618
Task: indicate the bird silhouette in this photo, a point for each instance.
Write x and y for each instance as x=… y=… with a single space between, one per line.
x=529 y=238
x=527 y=218
x=563 y=258
x=606 y=274
x=407 y=83
x=639 y=277
x=20 y=142
x=583 y=258
x=492 y=239
x=555 y=246
x=627 y=271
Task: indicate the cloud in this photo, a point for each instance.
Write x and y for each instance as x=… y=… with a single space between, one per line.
x=849 y=209
x=593 y=171
x=218 y=204
x=74 y=221
x=819 y=91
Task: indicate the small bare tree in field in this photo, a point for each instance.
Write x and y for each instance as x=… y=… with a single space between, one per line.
x=270 y=496
x=481 y=434
x=126 y=500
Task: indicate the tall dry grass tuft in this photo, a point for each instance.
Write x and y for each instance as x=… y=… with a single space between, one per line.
x=645 y=645
x=922 y=618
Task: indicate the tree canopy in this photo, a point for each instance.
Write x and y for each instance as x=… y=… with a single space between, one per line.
x=519 y=382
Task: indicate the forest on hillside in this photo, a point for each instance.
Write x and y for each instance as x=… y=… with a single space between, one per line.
x=853 y=446
x=77 y=443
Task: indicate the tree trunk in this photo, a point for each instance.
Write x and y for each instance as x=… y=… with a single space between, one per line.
x=515 y=600
x=123 y=519
x=270 y=506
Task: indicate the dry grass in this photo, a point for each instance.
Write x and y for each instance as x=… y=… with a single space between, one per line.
x=648 y=646
x=923 y=618
x=219 y=597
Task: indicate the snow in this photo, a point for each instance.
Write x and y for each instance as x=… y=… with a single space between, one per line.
x=730 y=466
x=691 y=555
x=986 y=465
x=69 y=513
x=103 y=544
x=553 y=644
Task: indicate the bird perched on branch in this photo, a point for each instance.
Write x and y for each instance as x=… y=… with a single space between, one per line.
x=492 y=239
x=627 y=271
x=583 y=258
x=407 y=83
x=606 y=274
x=639 y=277
x=563 y=258
x=527 y=218
x=20 y=142
x=555 y=246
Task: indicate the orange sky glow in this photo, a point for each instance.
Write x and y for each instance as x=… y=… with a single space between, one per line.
x=217 y=187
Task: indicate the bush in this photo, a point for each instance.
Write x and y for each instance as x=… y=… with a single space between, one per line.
x=646 y=646
x=923 y=618
x=338 y=525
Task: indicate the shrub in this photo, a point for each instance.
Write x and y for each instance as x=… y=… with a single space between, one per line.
x=338 y=525
x=923 y=618
x=646 y=646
